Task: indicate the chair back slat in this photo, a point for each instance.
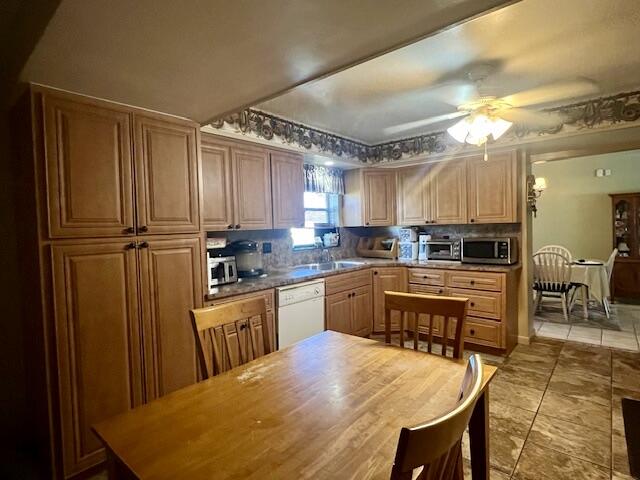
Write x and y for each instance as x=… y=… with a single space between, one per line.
x=435 y=446
x=551 y=272
x=564 y=251
x=610 y=261
x=448 y=308
x=230 y=335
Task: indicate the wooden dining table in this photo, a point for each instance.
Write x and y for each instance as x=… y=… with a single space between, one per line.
x=330 y=406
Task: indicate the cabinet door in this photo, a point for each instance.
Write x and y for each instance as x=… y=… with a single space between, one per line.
x=98 y=346
x=414 y=205
x=492 y=192
x=170 y=279
x=387 y=279
x=251 y=188
x=287 y=180
x=166 y=175
x=448 y=187
x=338 y=312
x=362 y=311
x=379 y=190
x=217 y=194
x=89 y=167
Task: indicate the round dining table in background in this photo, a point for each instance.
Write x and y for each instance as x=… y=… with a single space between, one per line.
x=594 y=280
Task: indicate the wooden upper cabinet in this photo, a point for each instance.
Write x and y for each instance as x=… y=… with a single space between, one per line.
x=88 y=166
x=171 y=285
x=287 y=181
x=414 y=203
x=251 y=188
x=99 y=351
x=392 y=279
x=379 y=197
x=448 y=187
x=492 y=189
x=166 y=175
x=217 y=192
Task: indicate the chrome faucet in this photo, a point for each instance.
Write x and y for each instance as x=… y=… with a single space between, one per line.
x=325 y=255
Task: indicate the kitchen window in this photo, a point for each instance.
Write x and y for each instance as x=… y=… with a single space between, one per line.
x=321 y=215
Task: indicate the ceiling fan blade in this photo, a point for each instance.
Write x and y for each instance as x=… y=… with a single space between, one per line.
x=553 y=92
x=403 y=127
x=531 y=118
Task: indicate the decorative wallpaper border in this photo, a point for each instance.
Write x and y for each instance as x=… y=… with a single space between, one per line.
x=598 y=113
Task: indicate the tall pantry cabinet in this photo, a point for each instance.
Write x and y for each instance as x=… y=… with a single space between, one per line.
x=113 y=262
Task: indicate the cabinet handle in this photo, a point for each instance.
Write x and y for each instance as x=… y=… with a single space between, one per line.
x=472 y=220
x=237 y=225
x=129 y=230
x=143 y=229
x=366 y=223
x=440 y=291
x=472 y=282
x=425 y=277
x=229 y=227
x=243 y=326
x=375 y=272
x=143 y=245
x=472 y=304
x=130 y=245
x=472 y=332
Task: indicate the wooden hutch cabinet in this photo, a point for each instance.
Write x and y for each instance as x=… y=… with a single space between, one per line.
x=625 y=282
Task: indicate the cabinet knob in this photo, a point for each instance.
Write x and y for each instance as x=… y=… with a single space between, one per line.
x=375 y=272
x=440 y=291
x=130 y=245
x=472 y=282
x=472 y=220
x=366 y=223
x=472 y=304
x=229 y=227
x=425 y=277
x=129 y=230
x=472 y=332
x=143 y=229
x=143 y=245
x=237 y=225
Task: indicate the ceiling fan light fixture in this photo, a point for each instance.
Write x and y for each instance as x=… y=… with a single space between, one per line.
x=499 y=126
x=476 y=128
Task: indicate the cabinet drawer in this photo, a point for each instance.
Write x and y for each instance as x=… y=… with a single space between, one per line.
x=427 y=289
x=481 y=304
x=476 y=280
x=347 y=281
x=483 y=332
x=269 y=296
x=426 y=276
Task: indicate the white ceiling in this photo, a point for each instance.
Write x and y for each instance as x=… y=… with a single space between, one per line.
x=531 y=43
x=203 y=58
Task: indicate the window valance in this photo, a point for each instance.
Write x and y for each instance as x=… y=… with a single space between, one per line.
x=319 y=179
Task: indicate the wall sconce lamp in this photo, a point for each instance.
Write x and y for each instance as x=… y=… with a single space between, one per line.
x=535 y=187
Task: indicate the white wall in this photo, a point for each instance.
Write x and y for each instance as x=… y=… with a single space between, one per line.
x=575 y=209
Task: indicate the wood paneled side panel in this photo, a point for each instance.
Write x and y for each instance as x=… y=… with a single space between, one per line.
x=166 y=175
x=287 y=178
x=88 y=166
x=98 y=343
x=379 y=197
x=448 y=187
x=217 y=192
x=171 y=286
x=492 y=192
x=414 y=205
x=252 y=188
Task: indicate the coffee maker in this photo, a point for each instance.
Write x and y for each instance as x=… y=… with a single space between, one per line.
x=248 y=258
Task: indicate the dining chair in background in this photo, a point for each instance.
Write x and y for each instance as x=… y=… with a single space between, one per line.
x=564 y=251
x=449 y=308
x=608 y=266
x=433 y=450
x=230 y=335
x=552 y=278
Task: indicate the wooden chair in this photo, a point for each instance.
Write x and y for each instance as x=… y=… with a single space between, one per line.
x=433 y=450
x=231 y=335
x=552 y=278
x=431 y=305
x=564 y=251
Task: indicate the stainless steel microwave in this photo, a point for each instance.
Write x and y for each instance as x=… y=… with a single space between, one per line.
x=444 y=249
x=498 y=251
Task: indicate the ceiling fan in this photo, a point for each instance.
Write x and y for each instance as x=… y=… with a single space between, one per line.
x=487 y=115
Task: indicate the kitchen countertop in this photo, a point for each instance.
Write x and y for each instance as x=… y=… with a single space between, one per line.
x=294 y=274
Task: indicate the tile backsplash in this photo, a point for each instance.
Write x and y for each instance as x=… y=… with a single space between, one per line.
x=283 y=255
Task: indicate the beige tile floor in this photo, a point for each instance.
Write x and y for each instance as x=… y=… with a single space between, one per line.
x=622 y=330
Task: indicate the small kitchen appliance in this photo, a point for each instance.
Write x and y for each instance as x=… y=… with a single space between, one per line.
x=422 y=246
x=221 y=267
x=443 y=249
x=248 y=258
x=498 y=251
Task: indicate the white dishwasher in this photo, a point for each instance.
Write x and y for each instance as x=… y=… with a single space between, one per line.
x=300 y=311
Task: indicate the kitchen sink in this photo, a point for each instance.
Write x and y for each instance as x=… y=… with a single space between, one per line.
x=327 y=266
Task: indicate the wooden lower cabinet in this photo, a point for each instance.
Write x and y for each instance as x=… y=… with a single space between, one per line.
x=338 y=312
x=170 y=280
x=387 y=279
x=123 y=334
x=349 y=303
x=98 y=340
